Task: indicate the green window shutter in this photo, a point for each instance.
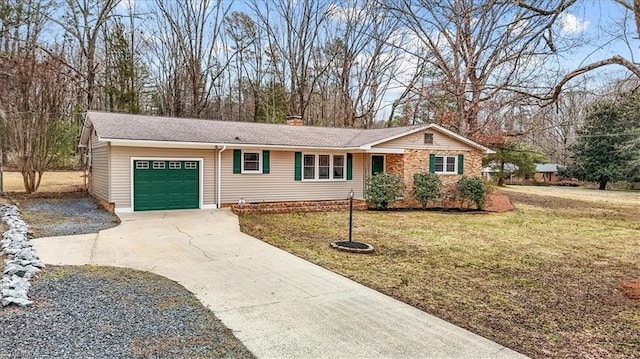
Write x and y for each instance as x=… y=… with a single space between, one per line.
x=460 y=164
x=349 y=166
x=237 y=161
x=298 y=166
x=266 y=161
x=432 y=163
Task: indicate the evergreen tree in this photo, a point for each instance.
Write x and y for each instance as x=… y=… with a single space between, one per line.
x=603 y=152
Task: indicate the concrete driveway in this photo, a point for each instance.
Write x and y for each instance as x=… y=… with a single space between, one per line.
x=277 y=304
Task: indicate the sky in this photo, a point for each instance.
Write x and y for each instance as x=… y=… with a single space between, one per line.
x=598 y=23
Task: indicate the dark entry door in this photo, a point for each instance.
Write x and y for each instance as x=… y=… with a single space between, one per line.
x=377 y=164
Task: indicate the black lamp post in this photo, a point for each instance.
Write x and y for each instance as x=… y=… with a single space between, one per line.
x=350 y=213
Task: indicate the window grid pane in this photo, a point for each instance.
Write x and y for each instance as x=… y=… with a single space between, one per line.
x=324 y=166
x=338 y=167
x=451 y=164
x=439 y=164
x=309 y=167
x=251 y=161
x=158 y=165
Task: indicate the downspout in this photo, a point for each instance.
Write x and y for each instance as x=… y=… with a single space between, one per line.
x=219 y=174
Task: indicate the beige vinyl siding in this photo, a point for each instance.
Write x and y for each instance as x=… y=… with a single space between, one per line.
x=415 y=141
x=280 y=185
x=121 y=170
x=100 y=172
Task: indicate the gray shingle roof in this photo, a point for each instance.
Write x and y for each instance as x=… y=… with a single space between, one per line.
x=546 y=167
x=153 y=128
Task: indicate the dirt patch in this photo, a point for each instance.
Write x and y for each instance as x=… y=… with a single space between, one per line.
x=498 y=202
x=631 y=288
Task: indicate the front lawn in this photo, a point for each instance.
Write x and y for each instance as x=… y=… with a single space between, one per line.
x=542 y=280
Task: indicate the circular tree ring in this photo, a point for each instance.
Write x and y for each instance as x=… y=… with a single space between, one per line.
x=352 y=247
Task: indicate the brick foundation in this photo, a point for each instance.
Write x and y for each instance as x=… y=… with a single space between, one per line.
x=111 y=207
x=300 y=206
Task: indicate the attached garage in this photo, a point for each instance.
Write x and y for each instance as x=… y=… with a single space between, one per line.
x=165 y=184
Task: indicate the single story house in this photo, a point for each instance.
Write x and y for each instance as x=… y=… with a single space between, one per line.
x=546 y=172
x=139 y=163
x=494 y=168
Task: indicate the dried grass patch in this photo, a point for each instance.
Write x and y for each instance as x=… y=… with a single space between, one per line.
x=55 y=181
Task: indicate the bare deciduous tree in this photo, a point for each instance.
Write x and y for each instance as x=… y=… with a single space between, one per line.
x=482 y=49
x=195 y=30
x=37 y=105
x=82 y=21
x=293 y=30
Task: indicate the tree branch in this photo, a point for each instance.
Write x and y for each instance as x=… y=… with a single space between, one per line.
x=615 y=60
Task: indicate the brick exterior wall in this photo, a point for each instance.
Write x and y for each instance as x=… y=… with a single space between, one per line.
x=395 y=164
x=415 y=161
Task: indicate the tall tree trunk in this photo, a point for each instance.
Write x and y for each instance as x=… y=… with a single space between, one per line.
x=603 y=185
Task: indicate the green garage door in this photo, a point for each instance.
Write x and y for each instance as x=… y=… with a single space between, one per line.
x=165 y=185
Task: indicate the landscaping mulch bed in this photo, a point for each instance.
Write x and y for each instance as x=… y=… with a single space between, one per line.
x=104 y=312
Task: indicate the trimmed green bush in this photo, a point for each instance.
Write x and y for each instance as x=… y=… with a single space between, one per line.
x=472 y=189
x=383 y=189
x=426 y=187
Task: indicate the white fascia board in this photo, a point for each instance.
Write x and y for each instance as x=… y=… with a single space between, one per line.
x=391 y=138
x=385 y=150
x=87 y=126
x=164 y=144
x=202 y=145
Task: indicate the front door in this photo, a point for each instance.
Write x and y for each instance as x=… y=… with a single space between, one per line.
x=377 y=164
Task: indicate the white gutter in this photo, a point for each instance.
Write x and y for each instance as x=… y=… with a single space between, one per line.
x=205 y=145
x=219 y=175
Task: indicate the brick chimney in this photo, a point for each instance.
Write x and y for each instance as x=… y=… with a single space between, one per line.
x=294 y=120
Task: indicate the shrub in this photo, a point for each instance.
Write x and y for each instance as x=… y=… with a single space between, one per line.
x=426 y=187
x=472 y=189
x=383 y=189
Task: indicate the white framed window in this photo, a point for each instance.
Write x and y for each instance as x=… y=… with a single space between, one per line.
x=446 y=164
x=309 y=167
x=251 y=162
x=158 y=165
x=323 y=167
x=174 y=165
x=191 y=165
x=142 y=165
x=338 y=166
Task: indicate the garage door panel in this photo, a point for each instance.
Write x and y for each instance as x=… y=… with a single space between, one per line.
x=160 y=185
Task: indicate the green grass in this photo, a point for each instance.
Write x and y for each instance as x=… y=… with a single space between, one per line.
x=541 y=279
